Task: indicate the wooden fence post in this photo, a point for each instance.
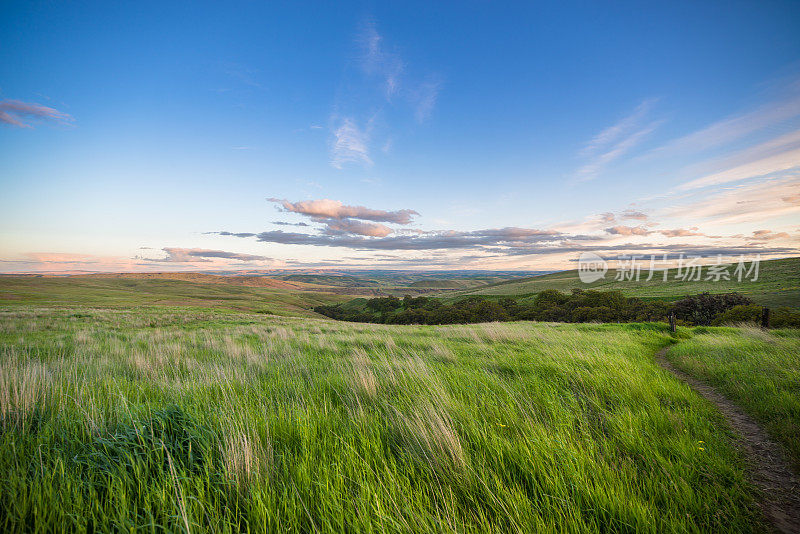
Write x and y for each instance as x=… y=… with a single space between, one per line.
x=765 y=317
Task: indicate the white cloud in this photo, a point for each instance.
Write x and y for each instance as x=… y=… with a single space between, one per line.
x=378 y=61
x=424 y=99
x=629 y=140
x=745 y=203
x=739 y=126
x=754 y=169
x=350 y=144
x=775 y=155
x=614 y=132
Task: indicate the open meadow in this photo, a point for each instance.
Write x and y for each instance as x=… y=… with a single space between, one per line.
x=400 y=267
x=197 y=420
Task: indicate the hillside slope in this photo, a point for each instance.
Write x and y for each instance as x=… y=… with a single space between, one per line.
x=778 y=284
x=127 y=291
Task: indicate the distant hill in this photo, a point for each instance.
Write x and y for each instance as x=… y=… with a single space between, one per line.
x=778 y=284
x=202 y=278
x=439 y=284
x=171 y=290
x=331 y=280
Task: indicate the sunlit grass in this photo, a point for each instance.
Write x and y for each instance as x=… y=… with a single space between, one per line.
x=115 y=420
x=757 y=369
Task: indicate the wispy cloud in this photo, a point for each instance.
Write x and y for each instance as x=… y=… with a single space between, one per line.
x=426 y=241
x=505 y=242
x=424 y=99
x=633 y=214
x=769 y=235
x=756 y=169
x=282 y=223
x=748 y=202
x=616 y=141
x=243 y=74
x=615 y=132
x=779 y=154
x=188 y=255
x=19 y=114
x=739 y=126
x=350 y=143
x=378 y=61
x=382 y=83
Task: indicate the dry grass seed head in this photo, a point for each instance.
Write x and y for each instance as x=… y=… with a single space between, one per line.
x=428 y=430
x=363 y=379
x=247 y=459
x=22 y=388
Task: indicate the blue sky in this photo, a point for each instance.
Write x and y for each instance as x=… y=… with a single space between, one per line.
x=150 y=137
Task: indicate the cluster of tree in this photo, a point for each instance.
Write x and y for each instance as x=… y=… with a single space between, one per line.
x=579 y=306
x=704 y=309
x=783 y=317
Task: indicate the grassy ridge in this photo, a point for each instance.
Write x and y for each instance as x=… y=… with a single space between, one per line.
x=758 y=370
x=113 y=420
x=778 y=285
x=331 y=280
x=106 y=291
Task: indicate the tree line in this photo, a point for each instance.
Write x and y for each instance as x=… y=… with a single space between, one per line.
x=578 y=306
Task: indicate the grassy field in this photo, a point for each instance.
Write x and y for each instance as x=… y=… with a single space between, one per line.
x=184 y=420
x=223 y=293
x=291 y=295
x=778 y=284
x=758 y=370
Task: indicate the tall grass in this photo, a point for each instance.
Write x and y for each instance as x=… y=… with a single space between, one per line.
x=757 y=369
x=117 y=420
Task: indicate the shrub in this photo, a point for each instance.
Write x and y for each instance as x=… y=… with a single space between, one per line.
x=702 y=309
x=384 y=304
x=750 y=313
x=785 y=317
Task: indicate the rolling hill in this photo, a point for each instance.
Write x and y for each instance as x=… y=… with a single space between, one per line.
x=778 y=284
x=186 y=290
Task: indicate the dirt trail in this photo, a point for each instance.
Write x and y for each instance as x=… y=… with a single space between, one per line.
x=771 y=472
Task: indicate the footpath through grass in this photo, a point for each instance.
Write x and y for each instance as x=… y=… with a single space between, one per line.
x=172 y=421
x=759 y=370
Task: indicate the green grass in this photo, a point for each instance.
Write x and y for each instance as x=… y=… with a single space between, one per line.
x=129 y=292
x=758 y=370
x=114 y=420
x=778 y=284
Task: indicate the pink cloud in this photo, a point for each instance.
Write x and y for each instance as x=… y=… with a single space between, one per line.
x=768 y=235
x=333 y=209
x=15 y=113
x=682 y=232
x=351 y=226
x=636 y=215
x=628 y=230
